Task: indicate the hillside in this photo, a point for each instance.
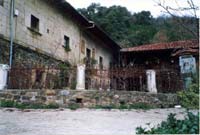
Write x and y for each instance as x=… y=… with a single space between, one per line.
x=132 y=29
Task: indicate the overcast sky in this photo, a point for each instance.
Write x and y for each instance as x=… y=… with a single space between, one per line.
x=135 y=5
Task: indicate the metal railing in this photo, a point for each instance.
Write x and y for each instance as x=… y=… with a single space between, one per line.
x=39 y=77
x=116 y=78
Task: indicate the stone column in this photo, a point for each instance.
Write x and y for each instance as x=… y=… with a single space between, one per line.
x=3 y=76
x=80 y=77
x=151 y=81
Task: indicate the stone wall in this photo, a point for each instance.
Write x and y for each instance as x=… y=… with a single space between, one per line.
x=29 y=66
x=89 y=98
x=25 y=56
x=54 y=24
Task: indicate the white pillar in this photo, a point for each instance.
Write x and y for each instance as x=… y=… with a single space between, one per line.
x=151 y=81
x=3 y=76
x=80 y=77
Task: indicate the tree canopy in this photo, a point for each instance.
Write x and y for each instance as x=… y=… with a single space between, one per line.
x=132 y=29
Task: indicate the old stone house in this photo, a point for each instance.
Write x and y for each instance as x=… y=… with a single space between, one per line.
x=50 y=32
x=172 y=65
x=53 y=28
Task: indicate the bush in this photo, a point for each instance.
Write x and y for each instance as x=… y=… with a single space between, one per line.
x=190 y=125
x=190 y=98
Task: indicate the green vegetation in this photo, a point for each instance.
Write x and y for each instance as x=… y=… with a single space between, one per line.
x=131 y=29
x=74 y=106
x=73 y=84
x=13 y=104
x=67 y=49
x=93 y=61
x=64 y=65
x=65 y=71
x=190 y=125
x=190 y=97
x=143 y=106
x=7 y=103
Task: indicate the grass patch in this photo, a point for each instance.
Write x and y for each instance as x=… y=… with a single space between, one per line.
x=7 y=103
x=13 y=104
x=143 y=106
x=74 y=106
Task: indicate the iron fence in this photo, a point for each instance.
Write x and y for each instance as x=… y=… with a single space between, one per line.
x=116 y=78
x=133 y=79
x=39 y=78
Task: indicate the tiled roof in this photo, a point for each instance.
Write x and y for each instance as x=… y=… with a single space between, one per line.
x=163 y=46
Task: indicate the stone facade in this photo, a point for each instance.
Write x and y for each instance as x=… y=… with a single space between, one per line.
x=53 y=25
x=26 y=57
x=90 y=98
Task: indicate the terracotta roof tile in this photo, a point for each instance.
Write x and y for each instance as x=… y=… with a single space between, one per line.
x=163 y=46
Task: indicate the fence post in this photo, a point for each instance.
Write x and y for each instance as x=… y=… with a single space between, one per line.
x=80 y=77
x=151 y=81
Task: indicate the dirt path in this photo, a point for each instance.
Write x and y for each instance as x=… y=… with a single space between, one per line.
x=79 y=122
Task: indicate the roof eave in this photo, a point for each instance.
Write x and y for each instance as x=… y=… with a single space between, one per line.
x=82 y=20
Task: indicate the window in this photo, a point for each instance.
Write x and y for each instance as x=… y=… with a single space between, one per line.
x=1 y=2
x=93 y=53
x=88 y=51
x=34 y=23
x=88 y=57
x=66 y=43
x=82 y=47
x=101 y=62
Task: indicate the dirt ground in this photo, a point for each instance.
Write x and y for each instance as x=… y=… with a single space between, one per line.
x=80 y=122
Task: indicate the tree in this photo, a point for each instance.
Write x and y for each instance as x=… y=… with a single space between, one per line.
x=114 y=20
x=140 y=28
x=142 y=18
x=175 y=13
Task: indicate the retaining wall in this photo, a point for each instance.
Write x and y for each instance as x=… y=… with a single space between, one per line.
x=89 y=98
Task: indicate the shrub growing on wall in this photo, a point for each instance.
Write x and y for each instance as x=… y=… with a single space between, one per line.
x=190 y=97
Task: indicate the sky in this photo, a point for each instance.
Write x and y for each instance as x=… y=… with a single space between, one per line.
x=137 y=5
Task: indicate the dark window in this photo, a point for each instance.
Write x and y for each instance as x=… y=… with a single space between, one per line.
x=88 y=53
x=39 y=75
x=1 y=2
x=34 y=23
x=66 y=43
x=88 y=57
x=101 y=62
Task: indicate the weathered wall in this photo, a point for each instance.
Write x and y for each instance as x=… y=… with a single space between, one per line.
x=32 y=68
x=53 y=25
x=25 y=57
x=90 y=98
